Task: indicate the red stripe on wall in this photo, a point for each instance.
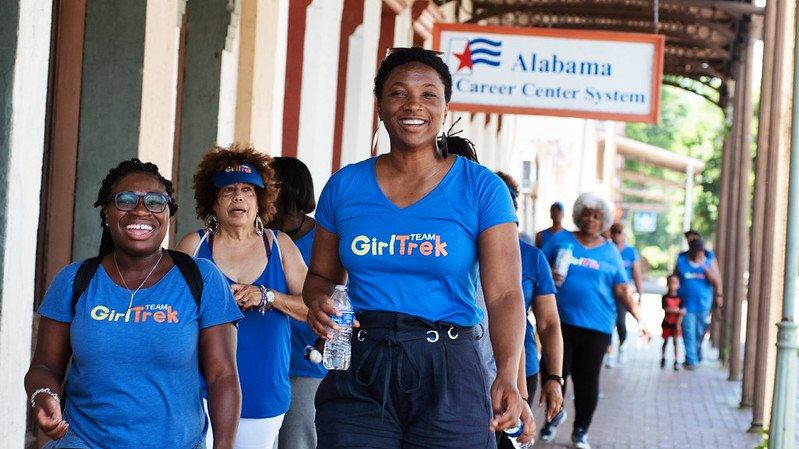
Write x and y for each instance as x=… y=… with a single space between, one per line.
x=295 y=47
x=388 y=21
x=352 y=18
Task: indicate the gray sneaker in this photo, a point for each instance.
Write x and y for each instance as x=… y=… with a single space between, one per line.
x=580 y=438
x=550 y=429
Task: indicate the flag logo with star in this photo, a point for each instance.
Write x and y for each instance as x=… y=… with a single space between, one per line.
x=477 y=51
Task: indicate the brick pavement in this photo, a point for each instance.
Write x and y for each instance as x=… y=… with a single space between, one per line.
x=644 y=407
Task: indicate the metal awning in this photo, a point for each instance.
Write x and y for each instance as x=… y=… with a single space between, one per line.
x=704 y=38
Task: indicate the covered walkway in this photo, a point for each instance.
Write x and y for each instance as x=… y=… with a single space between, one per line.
x=642 y=406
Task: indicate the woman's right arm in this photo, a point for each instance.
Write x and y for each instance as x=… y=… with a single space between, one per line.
x=325 y=272
x=188 y=243
x=47 y=370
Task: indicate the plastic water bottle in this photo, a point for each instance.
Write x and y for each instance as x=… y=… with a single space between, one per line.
x=515 y=432
x=337 y=352
x=563 y=260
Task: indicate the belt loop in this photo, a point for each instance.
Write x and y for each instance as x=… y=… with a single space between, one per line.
x=450 y=334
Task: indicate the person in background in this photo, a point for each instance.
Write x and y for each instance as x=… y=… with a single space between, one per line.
x=294 y=202
x=588 y=290
x=699 y=287
x=407 y=230
x=632 y=266
x=539 y=295
x=135 y=345
x=234 y=191
x=673 y=312
x=556 y=214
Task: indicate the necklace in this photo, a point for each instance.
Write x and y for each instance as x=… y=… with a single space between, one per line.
x=133 y=293
x=294 y=231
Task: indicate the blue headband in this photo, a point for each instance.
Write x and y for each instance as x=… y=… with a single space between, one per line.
x=238 y=173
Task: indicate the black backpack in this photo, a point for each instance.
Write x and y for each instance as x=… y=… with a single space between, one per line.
x=187 y=266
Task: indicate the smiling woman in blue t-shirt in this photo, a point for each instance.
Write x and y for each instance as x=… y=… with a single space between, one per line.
x=586 y=297
x=138 y=336
x=408 y=229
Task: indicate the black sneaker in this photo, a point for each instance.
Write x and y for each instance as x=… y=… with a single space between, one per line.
x=676 y=366
x=663 y=362
x=550 y=429
x=580 y=438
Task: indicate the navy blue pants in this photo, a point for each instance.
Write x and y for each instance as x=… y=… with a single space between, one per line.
x=412 y=384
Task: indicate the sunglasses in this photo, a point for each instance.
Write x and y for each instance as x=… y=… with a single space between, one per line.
x=155 y=202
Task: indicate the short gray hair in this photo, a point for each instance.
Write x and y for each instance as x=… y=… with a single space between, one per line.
x=591 y=200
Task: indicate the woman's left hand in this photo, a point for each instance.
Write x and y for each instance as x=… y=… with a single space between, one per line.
x=507 y=404
x=528 y=421
x=246 y=295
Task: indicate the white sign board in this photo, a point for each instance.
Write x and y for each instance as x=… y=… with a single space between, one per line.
x=574 y=73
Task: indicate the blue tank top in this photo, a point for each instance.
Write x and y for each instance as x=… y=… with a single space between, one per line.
x=301 y=333
x=262 y=355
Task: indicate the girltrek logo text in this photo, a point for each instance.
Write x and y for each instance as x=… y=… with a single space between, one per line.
x=400 y=244
x=158 y=313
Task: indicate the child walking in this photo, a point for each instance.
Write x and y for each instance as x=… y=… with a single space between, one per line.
x=672 y=320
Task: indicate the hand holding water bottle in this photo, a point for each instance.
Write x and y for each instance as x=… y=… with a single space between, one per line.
x=521 y=435
x=563 y=260
x=337 y=353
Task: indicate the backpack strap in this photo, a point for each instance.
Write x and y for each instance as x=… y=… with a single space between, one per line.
x=190 y=272
x=83 y=277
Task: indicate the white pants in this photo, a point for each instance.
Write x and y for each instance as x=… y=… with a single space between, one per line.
x=252 y=433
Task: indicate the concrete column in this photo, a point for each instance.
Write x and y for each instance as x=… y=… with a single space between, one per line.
x=110 y=107
x=25 y=27
x=261 y=77
x=359 y=101
x=780 y=15
x=319 y=82
x=742 y=211
x=208 y=28
x=229 y=76
x=159 y=82
x=757 y=230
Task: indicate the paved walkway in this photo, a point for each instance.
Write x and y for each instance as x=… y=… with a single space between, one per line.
x=644 y=407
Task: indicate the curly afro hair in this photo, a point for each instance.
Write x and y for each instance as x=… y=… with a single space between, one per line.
x=217 y=159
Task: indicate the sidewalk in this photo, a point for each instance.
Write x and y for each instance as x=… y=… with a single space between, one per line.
x=645 y=407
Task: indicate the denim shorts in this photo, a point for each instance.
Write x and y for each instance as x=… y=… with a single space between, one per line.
x=412 y=384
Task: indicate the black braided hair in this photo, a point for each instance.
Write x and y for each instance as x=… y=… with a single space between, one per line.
x=462 y=147
x=124 y=168
x=401 y=56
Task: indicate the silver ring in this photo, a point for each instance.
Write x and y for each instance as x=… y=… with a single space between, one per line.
x=434 y=338
x=361 y=335
x=449 y=334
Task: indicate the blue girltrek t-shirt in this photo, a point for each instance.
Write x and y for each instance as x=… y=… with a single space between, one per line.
x=419 y=260
x=135 y=377
x=586 y=297
x=301 y=333
x=629 y=256
x=262 y=354
x=536 y=281
x=547 y=234
x=695 y=290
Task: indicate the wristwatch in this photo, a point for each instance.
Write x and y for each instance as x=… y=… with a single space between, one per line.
x=267 y=300
x=556 y=378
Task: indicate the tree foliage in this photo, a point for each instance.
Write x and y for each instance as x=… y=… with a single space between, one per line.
x=691 y=126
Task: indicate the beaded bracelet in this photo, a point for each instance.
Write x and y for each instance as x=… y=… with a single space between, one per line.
x=43 y=390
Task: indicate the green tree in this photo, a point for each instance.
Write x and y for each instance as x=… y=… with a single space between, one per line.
x=692 y=126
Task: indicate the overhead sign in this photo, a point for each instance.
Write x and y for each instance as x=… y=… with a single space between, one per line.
x=573 y=73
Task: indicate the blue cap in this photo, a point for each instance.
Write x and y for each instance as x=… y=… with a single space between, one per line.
x=237 y=173
x=557 y=205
